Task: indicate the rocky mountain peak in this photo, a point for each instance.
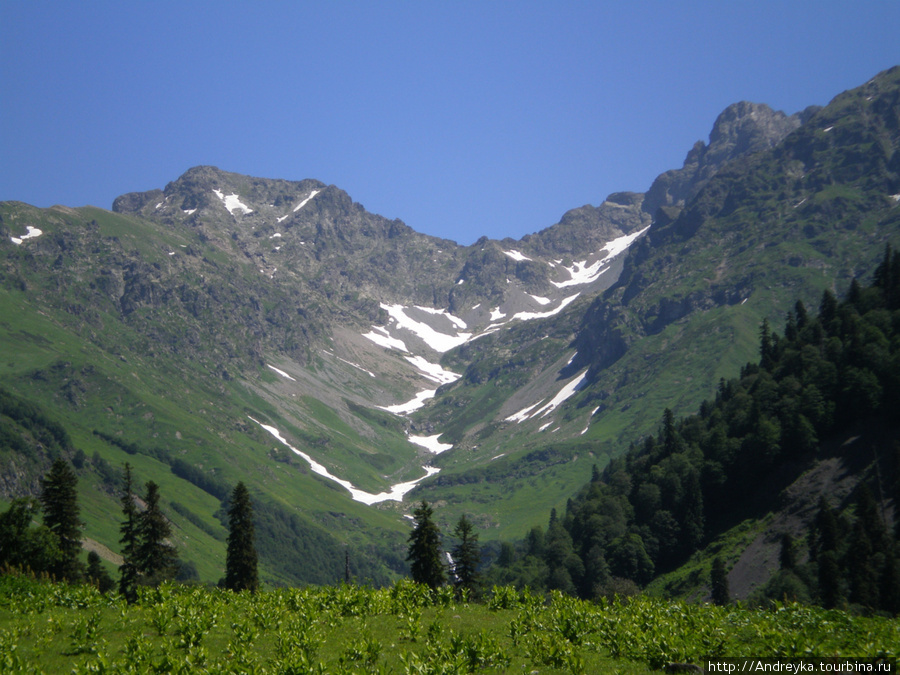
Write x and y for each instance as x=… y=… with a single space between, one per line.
x=741 y=129
x=746 y=127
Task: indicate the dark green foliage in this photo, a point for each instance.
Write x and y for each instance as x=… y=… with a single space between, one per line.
x=281 y=533
x=466 y=557
x=207 y=483
x=241 y=572
x=59 y=501
x=128 y=570
x=787 y=556
x=24 y=546
x=49 y=433
x=157 y=560
x=424 y=551
x=718 y=581
x=98 y=574
x=646 y=513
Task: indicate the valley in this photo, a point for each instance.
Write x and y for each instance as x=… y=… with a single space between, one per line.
x=228 y=327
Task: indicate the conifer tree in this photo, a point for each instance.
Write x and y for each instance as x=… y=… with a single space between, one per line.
x=719 y=582
x=59 y=500
x=128 y=570
x=831 y=592
x=692 y=516
x=466 y=556
x=787 y=557
x=424 y=554
x=97 y=574
x=157 y=560
x=241 y=560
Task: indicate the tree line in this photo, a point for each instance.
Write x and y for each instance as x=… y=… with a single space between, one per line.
x=673 y=492
x=149 y=558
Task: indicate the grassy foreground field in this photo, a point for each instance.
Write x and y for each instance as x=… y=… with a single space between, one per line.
x=49 y=628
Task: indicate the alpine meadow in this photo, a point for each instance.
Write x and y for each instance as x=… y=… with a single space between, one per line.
x=247 y=426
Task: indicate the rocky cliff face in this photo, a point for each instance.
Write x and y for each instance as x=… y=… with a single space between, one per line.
x=741 y=129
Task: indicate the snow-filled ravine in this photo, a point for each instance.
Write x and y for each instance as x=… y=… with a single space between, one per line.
x=441 y=331
x=396 y=493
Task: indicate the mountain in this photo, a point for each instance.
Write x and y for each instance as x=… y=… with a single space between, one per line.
x=231 y=328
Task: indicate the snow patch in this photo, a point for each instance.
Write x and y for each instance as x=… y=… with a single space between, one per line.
x=539 y=300
x=31 y=234
x=396 y=492
x=588 y=425
x=440 y=342
x=496 y=314
x=582 y=273
x=896 y=198
x=431 y=443
x=433 y=371
x=233 y=203
x=515 y=255
x=411 y=405
x=528 y=316
x=282 y=373
x=567 y=392
x=382 y=339
x=523 y=414
x=303 y=203
x=189 y=211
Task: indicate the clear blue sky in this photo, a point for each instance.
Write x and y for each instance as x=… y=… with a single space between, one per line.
x=461 y=118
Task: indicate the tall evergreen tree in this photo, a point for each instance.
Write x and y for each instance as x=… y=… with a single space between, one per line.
x=787 y=556
x=157 y=559
x=466 y=556
x=719 y=581
x=424 y=554
x=128 y=570
x=59 y=500
x=692 y=517
x=241 y=560
x=831 y=592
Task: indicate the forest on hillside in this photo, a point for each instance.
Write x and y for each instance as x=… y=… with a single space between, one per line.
x=672 y=493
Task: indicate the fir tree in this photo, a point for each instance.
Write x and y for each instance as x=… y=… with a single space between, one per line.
x=466 y=556
x=59 y=500
x=692 y=518
x=424 y=555
x=787 y=557
x=97 y=574
x=241 y=561
x=719 y=582
x=128 y=570
x=157 y=559
x=831 y=592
